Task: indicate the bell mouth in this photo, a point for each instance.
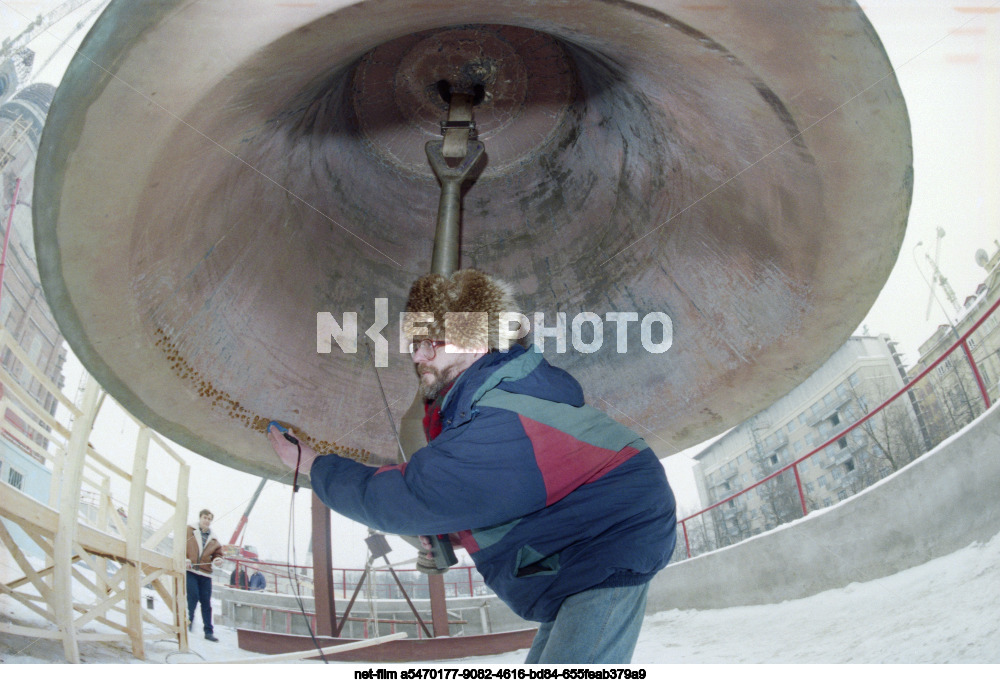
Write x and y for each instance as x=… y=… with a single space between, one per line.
x=523 y=84
x=224 y=184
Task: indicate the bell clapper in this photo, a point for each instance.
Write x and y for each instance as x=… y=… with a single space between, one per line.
x=459 y=142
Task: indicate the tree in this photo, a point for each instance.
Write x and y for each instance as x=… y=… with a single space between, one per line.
x=700 y=537
x=892 y=435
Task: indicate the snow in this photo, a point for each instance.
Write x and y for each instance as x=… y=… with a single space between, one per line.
x=945 y=611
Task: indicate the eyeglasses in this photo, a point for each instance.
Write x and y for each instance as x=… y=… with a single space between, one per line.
x=427 y=346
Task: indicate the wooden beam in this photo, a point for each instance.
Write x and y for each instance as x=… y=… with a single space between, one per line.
x=323 y=590
x=180 y=555
x=65 y=540
x=439 y=606
x=22 y=562
x=69 y=500
x=306 y=654
x=6 y=340
x=28 y=601
x=133 y=543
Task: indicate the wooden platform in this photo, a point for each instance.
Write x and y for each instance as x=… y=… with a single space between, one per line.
x=428 y=649
x=97 y=554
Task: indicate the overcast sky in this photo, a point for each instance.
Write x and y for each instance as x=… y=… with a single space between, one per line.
x=947 y=60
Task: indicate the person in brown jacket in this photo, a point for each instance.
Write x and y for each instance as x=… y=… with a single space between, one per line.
x=203 y=553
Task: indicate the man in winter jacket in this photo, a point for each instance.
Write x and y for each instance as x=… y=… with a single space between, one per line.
x=566 y=513
x=257 y=581
x=203 y=553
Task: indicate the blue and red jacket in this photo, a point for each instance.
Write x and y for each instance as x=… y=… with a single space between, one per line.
x=549 y=496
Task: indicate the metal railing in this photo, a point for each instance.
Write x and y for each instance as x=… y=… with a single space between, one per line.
x=458 y=581
x=269 y=616
x=962 y=342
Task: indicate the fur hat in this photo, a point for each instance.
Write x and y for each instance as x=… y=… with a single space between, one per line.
x=466 y=309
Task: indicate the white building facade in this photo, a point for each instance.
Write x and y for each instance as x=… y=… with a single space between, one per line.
x=857 y=378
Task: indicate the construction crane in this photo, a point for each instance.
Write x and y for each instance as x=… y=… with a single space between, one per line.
x=12 y=138
x=35 y=28
x=17 y=60
x=246 y=514
x=939 y=278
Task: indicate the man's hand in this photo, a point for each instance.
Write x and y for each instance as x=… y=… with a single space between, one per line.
x=217 y=563
x=425 y=559
x=288 y=452
x=187 y=563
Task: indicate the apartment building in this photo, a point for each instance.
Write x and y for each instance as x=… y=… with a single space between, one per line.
x=858 y=377
x=950 y=394
x=25 y=318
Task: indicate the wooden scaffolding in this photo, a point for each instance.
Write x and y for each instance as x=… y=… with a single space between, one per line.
x=99 y=556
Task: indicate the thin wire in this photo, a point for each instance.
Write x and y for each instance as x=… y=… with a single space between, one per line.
x=385 y=401
x=215 y=143
x=166 y=659
x=293 y=577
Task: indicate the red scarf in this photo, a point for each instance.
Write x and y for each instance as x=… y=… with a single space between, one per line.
x=432 y=415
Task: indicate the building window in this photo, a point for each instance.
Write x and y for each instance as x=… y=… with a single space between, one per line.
x=15 y=478
x=842 y=442
x=854 y=379
x=841 y=495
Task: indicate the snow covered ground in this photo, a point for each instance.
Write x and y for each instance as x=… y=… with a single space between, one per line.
x=945 y=611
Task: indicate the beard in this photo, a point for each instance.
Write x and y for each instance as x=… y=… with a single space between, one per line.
x=441 y=379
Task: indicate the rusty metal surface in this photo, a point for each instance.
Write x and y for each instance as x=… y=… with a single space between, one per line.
x=206 y=186
x=405 y=650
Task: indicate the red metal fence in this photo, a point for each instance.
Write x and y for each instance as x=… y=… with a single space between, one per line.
x=961 y=342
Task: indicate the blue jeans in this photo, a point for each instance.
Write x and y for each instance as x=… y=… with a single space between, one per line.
x=200 y=590
x=597 y=626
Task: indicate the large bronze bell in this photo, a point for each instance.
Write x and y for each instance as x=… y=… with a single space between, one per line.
x=214 y=175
